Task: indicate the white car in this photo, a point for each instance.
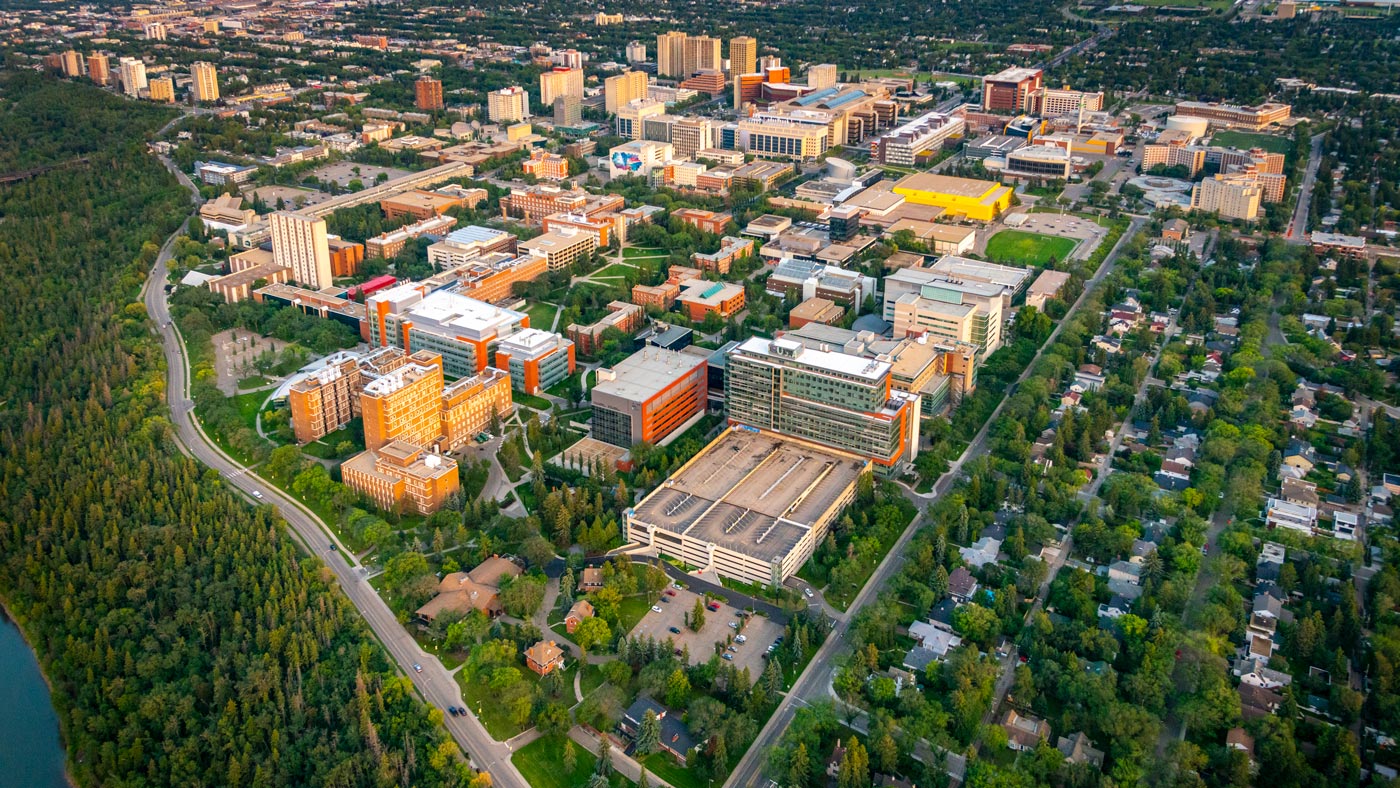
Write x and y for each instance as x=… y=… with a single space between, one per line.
x=733 y=625
x=257 y=494
x=742 y=639
x=656 y=608
x=808 y=592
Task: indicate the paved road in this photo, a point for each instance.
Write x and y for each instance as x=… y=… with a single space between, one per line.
x=812 y=684
x=1298 y=227
x=434 y=682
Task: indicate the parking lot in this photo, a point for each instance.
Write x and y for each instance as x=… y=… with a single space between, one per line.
x=758 y=631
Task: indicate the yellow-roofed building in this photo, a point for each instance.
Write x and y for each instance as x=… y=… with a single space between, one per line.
x=979 y=200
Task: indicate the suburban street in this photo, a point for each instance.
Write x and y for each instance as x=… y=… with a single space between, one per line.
x=1298 y=225
x=436 y=684
x=814 y=681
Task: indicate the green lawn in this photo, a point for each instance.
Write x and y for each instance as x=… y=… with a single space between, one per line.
x=1244 y=141
x=638 y=251
x=664 y=766
x=253 y=382
x=1018 y=246
x=616 y=270
x=481 y=699
x=542 y=315
x=530 y=400
x=592 y=679
x=541 y=762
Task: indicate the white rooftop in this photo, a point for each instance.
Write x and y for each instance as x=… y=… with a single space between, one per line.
x=825 y=360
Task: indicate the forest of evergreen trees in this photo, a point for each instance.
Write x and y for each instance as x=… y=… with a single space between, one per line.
x=186 y=640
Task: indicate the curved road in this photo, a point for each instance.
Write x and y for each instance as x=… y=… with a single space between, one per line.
x=434 y=682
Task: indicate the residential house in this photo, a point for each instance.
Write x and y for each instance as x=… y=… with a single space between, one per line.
x=581 y=609
x=1077 y=748
x=544 y=657
x=935 y=637
x=590 y=579
x=1265 y=615
x=1237 y=739
x=1125 y=579
x=1258 y=702
x=962 y=586
x=1024 y=732
x=462 y=592
x=1089 y=377
x=1257 y=672
x=676 y=738
x=982 y=552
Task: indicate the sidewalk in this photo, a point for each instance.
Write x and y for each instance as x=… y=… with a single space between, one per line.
x=624 y=764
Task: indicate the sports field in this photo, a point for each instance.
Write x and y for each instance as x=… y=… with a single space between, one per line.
x=1244 y=141
x=1018 y=246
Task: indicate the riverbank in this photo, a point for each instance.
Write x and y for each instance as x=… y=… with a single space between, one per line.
x=18 y=728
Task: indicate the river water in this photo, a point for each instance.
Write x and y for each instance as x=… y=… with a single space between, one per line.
x=31 y=753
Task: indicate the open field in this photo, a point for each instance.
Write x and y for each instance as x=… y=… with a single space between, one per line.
x=1017 y=246
x=1245 y=140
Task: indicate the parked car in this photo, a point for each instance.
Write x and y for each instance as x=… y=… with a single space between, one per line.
x=675 y=630
x=656 y=608
x=742 y=639
x=808 y=593
x=666 y=599
x=733 y=625
x=670 y=592
x=713 y=606
x=729 y=657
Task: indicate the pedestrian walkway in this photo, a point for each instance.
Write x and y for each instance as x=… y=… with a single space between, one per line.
x=622 y=762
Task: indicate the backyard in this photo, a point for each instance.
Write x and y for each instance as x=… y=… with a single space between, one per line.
x=1031 y=249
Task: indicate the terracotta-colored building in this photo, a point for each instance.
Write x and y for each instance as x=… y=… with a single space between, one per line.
x=701 y=298
x=462 y=592
x=402 y=476
x=625 y=317
x=582 y=609
x=544 y=657
x=346 y=256
x=546 y=166
x=661 y=296
x=707 y=221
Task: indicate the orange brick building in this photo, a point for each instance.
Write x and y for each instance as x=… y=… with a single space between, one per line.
x=324 y=401
x=663 y=296
x=600 y=226
x=419 y=203
x=346 y=256
x=427 y=93
x=625 y=317
x=405 y=404
x=467 y=406
x=534 y=203
x=706 y=221
x=731 y=249
x=403 y=477
x=546 y=166
x=701 y=297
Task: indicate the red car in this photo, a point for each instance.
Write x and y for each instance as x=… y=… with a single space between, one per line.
x=713 y=606
x=670 y=592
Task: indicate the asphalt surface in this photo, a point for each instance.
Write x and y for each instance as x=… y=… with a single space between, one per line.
x=814 y=682
x=1298 y=226
x=436 y=685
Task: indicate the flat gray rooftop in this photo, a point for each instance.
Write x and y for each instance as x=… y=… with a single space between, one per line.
x=756 y=494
